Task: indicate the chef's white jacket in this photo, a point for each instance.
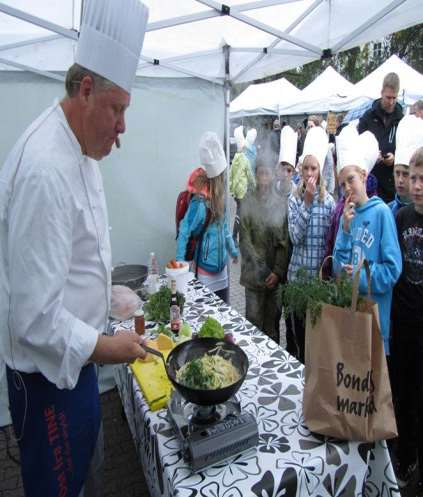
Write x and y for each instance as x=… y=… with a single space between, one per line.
x=55 y=262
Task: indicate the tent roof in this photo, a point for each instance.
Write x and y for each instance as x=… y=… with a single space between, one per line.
x=411 y=81
x=263 y=98
x=328 y=83
x=186 y=37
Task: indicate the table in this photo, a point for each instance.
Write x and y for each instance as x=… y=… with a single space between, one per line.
x=289 y=461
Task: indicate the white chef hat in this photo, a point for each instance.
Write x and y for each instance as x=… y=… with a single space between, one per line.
x=408 y=139
x=369 y=147
x=353 y=149
x=111 y=38
x=212 y=156
x=251 y=137
x=288 y=146
x=239 y=138
x=317 y=144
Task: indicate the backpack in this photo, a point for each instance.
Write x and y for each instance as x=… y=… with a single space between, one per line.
x=182 y=204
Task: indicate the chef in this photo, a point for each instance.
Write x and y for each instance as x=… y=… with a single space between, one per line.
x=55 y=261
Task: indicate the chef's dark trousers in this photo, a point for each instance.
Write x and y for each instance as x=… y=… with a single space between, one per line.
x=57 y=431
x=407 y=385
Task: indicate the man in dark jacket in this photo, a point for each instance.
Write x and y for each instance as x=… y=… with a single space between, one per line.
x=382 y=120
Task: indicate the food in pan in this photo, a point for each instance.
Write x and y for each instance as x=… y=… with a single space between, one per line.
x=209 y=372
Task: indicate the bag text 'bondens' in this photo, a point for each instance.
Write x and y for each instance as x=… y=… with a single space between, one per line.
x=355 y=382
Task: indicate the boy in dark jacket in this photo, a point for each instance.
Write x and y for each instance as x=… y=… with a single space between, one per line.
x=264 y=252
x=407 y=331
x=382 y=120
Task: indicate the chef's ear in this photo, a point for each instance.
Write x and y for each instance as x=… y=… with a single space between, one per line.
x=86 y=88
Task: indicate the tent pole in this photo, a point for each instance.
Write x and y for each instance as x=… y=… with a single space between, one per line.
x=227 y=130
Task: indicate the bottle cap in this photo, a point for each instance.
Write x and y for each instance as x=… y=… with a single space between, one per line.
x=138 y=313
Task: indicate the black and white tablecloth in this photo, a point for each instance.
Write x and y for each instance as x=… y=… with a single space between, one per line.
x=289 y=461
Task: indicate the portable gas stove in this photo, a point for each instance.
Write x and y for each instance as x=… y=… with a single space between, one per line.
x=210 y=434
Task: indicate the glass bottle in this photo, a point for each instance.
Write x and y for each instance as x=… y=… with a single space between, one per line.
x=175 y=311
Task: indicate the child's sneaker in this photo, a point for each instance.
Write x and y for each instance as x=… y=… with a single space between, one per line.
x=405 y=473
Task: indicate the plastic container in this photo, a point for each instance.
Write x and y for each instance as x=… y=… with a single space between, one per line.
x=181 y=275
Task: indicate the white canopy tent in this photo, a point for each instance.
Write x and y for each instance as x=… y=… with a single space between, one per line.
x=411 y=81
x=328 y=91
x=193 y=51
x=263 y=98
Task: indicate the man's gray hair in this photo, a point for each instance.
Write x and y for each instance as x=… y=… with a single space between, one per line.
x=77 y=73
x=418 y=105
x=392 y=81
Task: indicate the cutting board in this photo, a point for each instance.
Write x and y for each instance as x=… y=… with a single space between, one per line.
x=153 y=380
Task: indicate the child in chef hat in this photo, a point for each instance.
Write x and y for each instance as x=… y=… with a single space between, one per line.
x=241 y=177
x=310 y=209
x=367 y=228
x=286 y=171
x=409 y=138
x=207 y=222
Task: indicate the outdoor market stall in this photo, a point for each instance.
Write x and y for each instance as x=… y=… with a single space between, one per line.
x=288 y=460
x=193 y=51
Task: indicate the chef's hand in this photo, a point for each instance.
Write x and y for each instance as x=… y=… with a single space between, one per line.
x=349 y=213
x=309 y=191
x=272 y=280
x=388 y=159
x=123 y=347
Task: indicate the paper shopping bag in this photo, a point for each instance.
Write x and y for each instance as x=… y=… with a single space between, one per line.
x=347 y=393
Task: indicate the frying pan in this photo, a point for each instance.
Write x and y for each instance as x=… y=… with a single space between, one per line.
x=192 y=349
x=130 y=275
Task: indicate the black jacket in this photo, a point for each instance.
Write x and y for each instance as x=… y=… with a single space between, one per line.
x=384 y=127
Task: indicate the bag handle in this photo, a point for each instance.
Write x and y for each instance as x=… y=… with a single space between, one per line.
x=356 y=281
x=325 y=260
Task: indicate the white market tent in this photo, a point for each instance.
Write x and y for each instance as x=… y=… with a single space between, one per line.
x=193 y=51
x=411 y=81
x=263 y=98
x=329 y=91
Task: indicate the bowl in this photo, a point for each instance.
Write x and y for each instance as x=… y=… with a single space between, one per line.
x=191 y=349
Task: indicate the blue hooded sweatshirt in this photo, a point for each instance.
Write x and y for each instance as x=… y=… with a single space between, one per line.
x=373 y=236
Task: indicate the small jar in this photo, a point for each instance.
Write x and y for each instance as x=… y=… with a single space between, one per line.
x=139 y=322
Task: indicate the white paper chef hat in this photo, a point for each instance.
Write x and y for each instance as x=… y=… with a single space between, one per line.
x=111 y=38
x=409 y=138
x=353 y=149
x=251 y=137
x=288 y=147
x=239 y=138
x=317 y=144
x=212 y=156
x=369 y=147
x=347 y=148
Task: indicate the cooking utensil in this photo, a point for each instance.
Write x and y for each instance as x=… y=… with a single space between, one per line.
x=156 y=353
x=196 y=348
x=130 y=275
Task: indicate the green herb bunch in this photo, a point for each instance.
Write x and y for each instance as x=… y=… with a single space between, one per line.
x=311 y=293
x=158 y=305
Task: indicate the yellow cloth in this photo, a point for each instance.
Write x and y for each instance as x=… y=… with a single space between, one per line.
x=153 y=380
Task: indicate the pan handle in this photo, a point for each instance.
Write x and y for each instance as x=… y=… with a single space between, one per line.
x=155 y=352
